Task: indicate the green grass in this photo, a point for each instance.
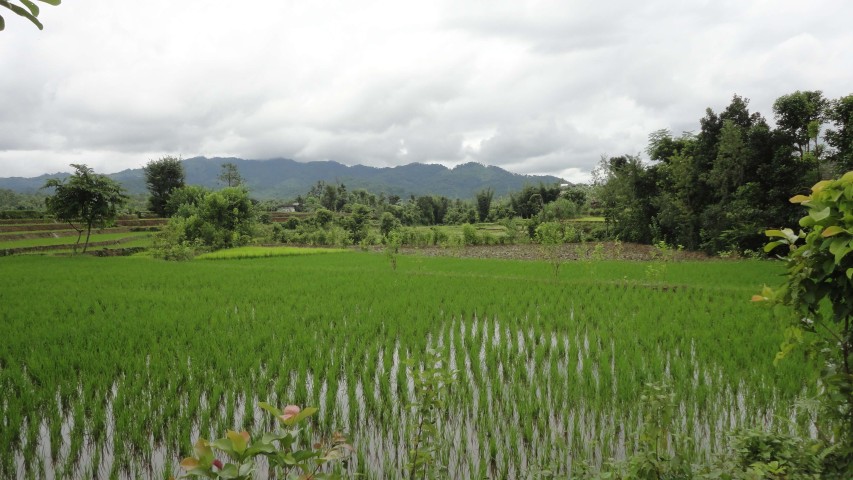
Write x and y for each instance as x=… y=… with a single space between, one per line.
x=589 y=219
x=549 y=368
x=265 y=252
x=43 y=242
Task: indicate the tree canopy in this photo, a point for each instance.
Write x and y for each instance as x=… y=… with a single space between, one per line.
x=162 y=177
x=230 y=176
x=720 y=188
x=85 y=198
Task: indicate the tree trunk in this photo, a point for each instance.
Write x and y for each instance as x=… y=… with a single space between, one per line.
x=88 y=234
x=79 y=234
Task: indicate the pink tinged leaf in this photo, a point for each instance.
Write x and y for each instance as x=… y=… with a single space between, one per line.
x=290 y=411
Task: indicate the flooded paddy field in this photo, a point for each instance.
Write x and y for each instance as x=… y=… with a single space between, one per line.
x=113 y=367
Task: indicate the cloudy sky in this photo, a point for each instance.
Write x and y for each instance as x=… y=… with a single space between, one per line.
x=531 y=86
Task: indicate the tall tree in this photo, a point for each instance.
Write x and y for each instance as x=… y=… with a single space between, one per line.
x=31 y=12
x=627 y=189
x=484 y=202
x=727 y=174
x=230 y=176
x=840 y=137
x=800 y=115
x=85 y=198
x=163 y=176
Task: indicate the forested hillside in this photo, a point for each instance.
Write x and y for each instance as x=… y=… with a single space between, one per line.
x=282 y=178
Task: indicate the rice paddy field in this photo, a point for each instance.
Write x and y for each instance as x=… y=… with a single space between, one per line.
x=113 y=367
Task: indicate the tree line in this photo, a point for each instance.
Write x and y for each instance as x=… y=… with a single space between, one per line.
x=719 y=189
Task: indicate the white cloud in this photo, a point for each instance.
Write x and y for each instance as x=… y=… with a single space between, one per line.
x=533 y=86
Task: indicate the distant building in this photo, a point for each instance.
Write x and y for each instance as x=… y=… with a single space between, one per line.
x=288 y=208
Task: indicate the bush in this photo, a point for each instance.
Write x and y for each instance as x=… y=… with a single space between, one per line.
x=208 y=220
x=469 y=235
x=22 y=214
x=291 y=223
x=388 y=223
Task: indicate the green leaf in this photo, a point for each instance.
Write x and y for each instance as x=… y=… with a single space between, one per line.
x=849 y=274
x=239 y=440
x=26 y=14
x=203 y=451
x=820 y=214
x=260 y=448
x=34 y=9
x=270 y=437
x=799 y=199
x=51 y=2
x=223 y=444
x=229 y=471
x=2 y=23
x=770 y=246
x=266 y=406
x=839 y=247
x=246 y=470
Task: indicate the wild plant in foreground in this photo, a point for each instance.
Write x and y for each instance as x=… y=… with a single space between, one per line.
x=287 y=459
x=431 y=389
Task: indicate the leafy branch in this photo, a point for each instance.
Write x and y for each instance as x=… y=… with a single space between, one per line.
x=31 y=12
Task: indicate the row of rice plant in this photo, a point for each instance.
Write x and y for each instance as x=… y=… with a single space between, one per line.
x=113 y=367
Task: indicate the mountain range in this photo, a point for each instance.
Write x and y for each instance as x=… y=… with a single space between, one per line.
x=285 y=179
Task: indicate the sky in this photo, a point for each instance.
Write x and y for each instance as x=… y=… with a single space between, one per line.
x=535 y=87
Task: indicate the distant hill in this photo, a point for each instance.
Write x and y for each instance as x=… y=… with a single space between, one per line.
x=282 y=178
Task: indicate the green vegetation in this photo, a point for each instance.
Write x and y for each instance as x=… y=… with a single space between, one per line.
x=819 y=289
x=27 y=9
x=163 y=176
x=264 y=252
x=719 y=189
x=85 y=198
x=280 y=448
x=42 y=242
x=123 y=363
x=205 y=221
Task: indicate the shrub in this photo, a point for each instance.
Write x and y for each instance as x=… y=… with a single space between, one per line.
x=469 y=235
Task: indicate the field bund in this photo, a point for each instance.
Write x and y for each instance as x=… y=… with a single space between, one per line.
x=115 y=366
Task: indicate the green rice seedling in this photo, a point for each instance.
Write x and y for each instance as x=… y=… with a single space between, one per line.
x=265 y=252
x=533 y=347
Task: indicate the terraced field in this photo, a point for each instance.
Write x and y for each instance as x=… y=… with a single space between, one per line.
x=40 y=235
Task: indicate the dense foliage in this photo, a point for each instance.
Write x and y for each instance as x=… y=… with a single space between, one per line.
x=84 y=198
x=163 y=176
x=819 y=288
x=11 y=200
x=719 y=189
x=205 y=220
